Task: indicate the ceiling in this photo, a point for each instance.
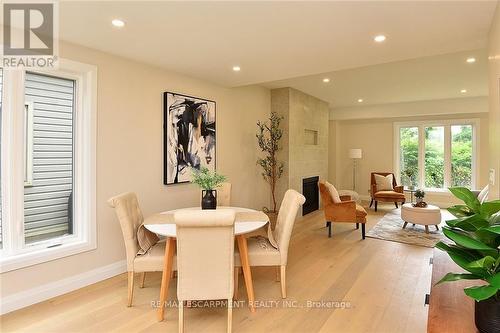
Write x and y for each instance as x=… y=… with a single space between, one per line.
x=275 y=40
x=428 y=78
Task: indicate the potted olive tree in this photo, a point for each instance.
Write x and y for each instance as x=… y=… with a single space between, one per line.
x=268 y=138
x=475 y=234
x=208 y=181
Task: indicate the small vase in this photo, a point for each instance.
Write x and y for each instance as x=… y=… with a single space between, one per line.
x=209 y=200
x=487 y=315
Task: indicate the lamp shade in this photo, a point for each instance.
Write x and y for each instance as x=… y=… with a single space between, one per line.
x=355 y=153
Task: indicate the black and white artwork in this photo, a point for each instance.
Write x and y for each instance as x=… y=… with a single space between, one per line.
x=189 y=136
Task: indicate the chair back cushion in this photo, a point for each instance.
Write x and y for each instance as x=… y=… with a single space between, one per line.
x=334 y=194
x=130 y=217
x=290 y=205
x=205 y=254
x=384 y=183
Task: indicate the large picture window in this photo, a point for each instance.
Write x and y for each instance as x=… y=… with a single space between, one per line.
x=436 y=155
x=48 y=126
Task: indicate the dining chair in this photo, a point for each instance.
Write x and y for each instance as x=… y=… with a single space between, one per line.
x=262 y=253
x=205 y=258
x=130 y=217
x=223 y=194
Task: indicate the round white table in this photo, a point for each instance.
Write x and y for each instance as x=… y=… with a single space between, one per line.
x=426 y=216
x=240 y=229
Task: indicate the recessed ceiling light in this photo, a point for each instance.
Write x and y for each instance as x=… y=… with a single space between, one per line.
x=360 y=100
x=471 y=60
x=236 y=68
x=463 y=91
x=326 y=80
x=118 y=23
x=379 y=38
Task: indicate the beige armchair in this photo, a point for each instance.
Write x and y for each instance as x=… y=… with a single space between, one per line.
x=205 y=258
x=223 y=194
x=260 y=250
x=130 y=217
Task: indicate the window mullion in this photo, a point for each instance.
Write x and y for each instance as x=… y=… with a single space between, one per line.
x=447 y=156
x=421 y=156
x=12 y=161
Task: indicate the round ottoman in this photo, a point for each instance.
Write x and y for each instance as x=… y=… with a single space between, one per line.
x=430 y=215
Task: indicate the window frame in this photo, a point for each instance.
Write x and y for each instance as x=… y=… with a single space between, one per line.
x=474 y=122
x=15 y=253
x=28 y=144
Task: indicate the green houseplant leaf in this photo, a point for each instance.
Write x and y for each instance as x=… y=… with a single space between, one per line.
x=476 y=236
x=467 y=197
x=480 y=293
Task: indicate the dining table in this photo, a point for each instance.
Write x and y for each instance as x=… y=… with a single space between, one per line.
x=246 y=221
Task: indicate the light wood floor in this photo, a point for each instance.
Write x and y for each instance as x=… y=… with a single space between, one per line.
x=384 y=283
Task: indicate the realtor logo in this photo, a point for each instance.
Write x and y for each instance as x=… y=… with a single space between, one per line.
x=29 y=38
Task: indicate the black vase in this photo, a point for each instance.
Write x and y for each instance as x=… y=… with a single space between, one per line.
x=487 y=315
x=209 y=199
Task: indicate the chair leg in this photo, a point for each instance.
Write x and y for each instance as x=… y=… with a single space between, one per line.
x=376 y=205
x=357 y=226
x=396 y=204
x=181 y=316
x=363 y=230
x=405 y=224
x=229 y=315
x=426 y=229
x=371 y=203
x=236 y=277
x=143 y=278
x=329 y=229
x=283 y=283
x=130 y=288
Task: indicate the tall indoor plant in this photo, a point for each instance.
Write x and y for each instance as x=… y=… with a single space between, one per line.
x=268 y=137
x=208 y=181
x=475 y=234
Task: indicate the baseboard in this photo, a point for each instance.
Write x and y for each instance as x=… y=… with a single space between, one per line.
x=53 y=289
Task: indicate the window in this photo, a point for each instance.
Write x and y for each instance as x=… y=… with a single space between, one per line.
x=48 y=126
x=436 y=155
x=1 y=85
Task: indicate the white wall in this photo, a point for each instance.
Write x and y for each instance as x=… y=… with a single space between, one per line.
x=130 y=154
x=494 y=121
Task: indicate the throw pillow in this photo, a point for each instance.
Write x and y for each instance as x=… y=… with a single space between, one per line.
x=384 y=183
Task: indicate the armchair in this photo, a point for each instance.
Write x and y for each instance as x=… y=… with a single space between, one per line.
x=343 y=211
x=385 y=195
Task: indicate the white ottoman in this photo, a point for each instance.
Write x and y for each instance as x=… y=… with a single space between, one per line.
x=430 y=215
x=354 y=195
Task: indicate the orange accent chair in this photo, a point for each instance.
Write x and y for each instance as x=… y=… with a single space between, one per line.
x=346 y=211
x=395 y=195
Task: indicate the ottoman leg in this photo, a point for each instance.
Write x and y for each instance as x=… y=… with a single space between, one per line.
x=405 y=224
x=437 y=228
x=426 y=229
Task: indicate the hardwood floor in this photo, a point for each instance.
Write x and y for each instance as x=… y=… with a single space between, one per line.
x=383 y=283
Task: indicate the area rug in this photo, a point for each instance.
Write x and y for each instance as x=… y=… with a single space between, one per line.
x=390 y=228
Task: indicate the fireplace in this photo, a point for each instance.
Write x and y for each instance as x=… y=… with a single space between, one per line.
x=311 y=192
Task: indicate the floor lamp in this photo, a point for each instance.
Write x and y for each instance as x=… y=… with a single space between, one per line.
x=354 y=154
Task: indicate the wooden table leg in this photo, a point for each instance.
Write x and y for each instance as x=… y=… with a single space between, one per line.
x=243 y=248
x=165 y=278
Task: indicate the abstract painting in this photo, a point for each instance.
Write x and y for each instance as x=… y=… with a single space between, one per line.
x=188 y=137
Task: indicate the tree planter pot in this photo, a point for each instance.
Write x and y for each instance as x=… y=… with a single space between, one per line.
x=273 y=216
x=487 y=315
x=209 y=199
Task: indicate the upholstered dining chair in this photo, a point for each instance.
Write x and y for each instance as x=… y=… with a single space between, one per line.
x=223 y=194
x=262 y=253
x=340 y=209
x=130 y=217
x=205 y=258
x=384 y=189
